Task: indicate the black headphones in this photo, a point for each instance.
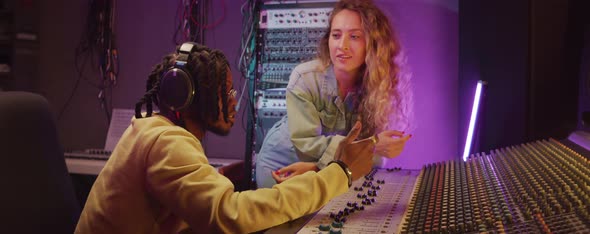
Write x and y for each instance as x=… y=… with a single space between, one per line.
x=177 y=87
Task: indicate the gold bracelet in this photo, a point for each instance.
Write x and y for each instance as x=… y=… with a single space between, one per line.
x=374 y=139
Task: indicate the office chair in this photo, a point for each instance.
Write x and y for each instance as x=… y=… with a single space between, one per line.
x=37 y=193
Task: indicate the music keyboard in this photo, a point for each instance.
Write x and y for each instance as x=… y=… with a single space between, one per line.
x=91 y=161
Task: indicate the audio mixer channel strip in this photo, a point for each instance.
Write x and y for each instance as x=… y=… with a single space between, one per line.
x=374 y=204
x=536 y=187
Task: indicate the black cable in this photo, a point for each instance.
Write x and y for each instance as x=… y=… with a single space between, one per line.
x=83 y=48
x=79 y=73
x=245 y=58
x=177 y=23
x=108 y=60
x=97 y=42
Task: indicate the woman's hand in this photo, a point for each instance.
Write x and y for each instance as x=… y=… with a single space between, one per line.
x=390 y=143
x=294 y=169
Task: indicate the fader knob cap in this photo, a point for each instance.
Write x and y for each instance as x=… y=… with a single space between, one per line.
x=337 y=224
x=324 y=227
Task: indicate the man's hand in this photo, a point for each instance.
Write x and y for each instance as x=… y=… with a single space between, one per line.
x=294 y=169
x=357 y=155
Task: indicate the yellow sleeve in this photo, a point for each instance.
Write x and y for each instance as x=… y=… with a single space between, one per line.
x=180 y=177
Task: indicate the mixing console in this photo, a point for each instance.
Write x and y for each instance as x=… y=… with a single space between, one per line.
x=375 y=204
x=538 y=187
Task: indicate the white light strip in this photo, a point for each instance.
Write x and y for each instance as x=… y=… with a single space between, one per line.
x=472 y=120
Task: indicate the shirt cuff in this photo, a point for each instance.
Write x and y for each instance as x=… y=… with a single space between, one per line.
x=328 y=155
x=337 y=178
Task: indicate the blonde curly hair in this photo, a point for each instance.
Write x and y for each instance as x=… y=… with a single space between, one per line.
x=386 y=100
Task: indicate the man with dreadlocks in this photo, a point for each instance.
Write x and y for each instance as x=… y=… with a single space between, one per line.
x=158 y=179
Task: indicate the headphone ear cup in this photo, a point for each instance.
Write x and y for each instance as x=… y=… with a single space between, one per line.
x=176 y=89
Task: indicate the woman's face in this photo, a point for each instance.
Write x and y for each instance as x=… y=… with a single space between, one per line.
x=347 y=42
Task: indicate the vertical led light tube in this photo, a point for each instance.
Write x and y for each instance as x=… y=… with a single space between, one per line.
x=472 y=120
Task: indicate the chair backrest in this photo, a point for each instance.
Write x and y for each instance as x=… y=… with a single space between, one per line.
x=37 y=193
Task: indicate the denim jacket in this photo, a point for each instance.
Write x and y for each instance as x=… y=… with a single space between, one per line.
x=317 y=118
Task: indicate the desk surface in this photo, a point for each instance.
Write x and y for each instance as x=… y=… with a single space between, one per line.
x=94 y=166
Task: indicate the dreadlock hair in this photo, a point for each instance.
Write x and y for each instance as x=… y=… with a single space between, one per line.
x=208 y=69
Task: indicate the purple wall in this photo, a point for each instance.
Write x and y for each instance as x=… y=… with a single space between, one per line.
x=428 y=29
x=144 y=34
x=429 y=33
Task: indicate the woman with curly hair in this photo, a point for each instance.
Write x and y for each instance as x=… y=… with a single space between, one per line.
x=357 y=76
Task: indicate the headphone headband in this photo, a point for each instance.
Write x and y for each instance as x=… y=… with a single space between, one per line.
x=177 y=87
